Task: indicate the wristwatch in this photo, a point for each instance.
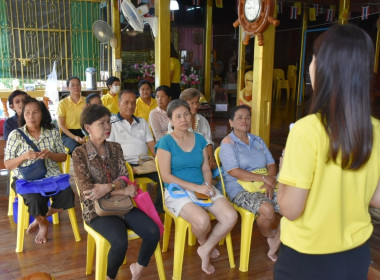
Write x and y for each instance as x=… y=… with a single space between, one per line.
x=113 y=185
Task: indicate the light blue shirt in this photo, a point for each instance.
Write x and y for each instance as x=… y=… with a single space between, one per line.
x=185 y=165
x=234 y=153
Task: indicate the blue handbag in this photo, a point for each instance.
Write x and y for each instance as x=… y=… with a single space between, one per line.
x=176 y=191
x=46 y=187
x=37 y=169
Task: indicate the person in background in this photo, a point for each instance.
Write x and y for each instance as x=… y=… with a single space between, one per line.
x=183 y=160
x=15 y=101
x=198 y=122
x=175 y=73
x=158 y=118
x=69 y=110
x=330 y=173
x=93 y=98
x=110 y=100
x=240 y=154
x=98 y=165
x=36 y=123
x=145 y=103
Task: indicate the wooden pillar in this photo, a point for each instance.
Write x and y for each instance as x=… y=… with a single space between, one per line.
x=162 y=43
x=5 y=108
x=115 y=20
x=241 y=66
x=208 y=41
x=300 y=68
x=262 y=85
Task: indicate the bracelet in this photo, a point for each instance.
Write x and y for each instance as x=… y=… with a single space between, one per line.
x=263 y=178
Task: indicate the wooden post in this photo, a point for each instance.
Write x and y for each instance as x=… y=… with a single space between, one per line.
x=207 y=67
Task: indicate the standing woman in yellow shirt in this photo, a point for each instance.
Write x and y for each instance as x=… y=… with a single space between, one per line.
x=331 y=169
x=69 y=110
x=145 y=103
x=175 y=73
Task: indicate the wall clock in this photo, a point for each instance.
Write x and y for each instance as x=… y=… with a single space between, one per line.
x=255 y=16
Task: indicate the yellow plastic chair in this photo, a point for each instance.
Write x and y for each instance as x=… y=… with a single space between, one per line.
x=141 y=181
x=247 y=220
x=67 y=162
x=181 y=227
x=291 y=75
x=279 y=83
x=102 y=246
x=23 y=223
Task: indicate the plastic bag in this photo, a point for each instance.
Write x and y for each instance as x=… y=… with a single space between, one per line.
x=51 y=86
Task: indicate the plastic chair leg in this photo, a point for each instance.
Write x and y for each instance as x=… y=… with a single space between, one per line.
x=22 y=223
x=230 y=250
x=90 y=254
x=102 y=249
x=191 y=237
x=74 y=224
x=179 y=247
x=55 y=219
x=12 y=197
x=159 y=263
x=246 y=237
x=167 y=228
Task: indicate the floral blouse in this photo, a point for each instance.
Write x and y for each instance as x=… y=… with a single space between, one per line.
x=90 y=168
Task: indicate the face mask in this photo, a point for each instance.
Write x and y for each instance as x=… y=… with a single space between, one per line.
x=115 y=89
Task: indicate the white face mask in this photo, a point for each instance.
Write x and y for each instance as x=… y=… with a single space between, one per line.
x=116 y=89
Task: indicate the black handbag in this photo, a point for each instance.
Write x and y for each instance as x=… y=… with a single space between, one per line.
x=36 y=170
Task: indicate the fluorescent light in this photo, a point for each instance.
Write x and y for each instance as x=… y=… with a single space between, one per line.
x=174 y=5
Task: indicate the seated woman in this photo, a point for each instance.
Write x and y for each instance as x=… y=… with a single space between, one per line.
x=145 y=103
x=98 y=165
x=240 y=154
x=35 y=122
x=158 y=118
x=183 y=160
x=199 y=123
x=69 y=110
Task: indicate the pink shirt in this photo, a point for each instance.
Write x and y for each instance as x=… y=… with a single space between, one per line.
x=158 y=121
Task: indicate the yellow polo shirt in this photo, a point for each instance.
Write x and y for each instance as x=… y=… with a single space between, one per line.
x=175 y=66
x=142 y=109
x=71 y=111
x=111 y=102
x=336 y=216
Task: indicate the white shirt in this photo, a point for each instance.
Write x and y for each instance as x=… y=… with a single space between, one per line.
x=133 y=138
x=202 y=127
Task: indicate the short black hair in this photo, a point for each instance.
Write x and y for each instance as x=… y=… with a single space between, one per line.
x=71 y=78
x=91 y=114
x=174 y=104
x=235 y=109
x=46 y=121
x=143 y=82
x=91 y=96
x=165 y=89
x=14 y=94
x=124 y=91
x=111 y=80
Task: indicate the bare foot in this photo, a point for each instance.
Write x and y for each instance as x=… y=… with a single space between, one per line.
x=274 y=243
x=32 y=227
x=214 y=253
x=205 y=257
x=136 y=270
x=41 y=236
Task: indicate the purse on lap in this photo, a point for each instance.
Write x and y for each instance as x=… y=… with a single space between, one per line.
x=35 y=171
x=255 y=186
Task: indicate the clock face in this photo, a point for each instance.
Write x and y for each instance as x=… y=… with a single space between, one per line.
x=252 y=9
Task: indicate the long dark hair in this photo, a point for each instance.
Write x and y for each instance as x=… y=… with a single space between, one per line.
x=46 y=121
x=344 y=58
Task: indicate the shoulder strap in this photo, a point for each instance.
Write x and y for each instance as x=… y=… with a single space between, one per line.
x=30 y=143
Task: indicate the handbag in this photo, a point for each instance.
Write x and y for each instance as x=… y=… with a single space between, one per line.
x=37 y=169
x=176 y=191
x=116 y=205
x=46 y=187
x=145 y=204
x=255 y=186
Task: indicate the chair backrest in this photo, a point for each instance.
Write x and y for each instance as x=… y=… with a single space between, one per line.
x=130 y=172
x=219 y=164
x=161 y=183
x=292 y=71
x=278 y=74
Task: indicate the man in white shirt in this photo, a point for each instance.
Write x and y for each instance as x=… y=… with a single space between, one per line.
x=134 y=136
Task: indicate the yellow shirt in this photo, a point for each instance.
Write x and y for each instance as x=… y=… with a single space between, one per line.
x=175 y=66
x=142 y=109
x=111 y=102
x=335 y=217
x=71 y=111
